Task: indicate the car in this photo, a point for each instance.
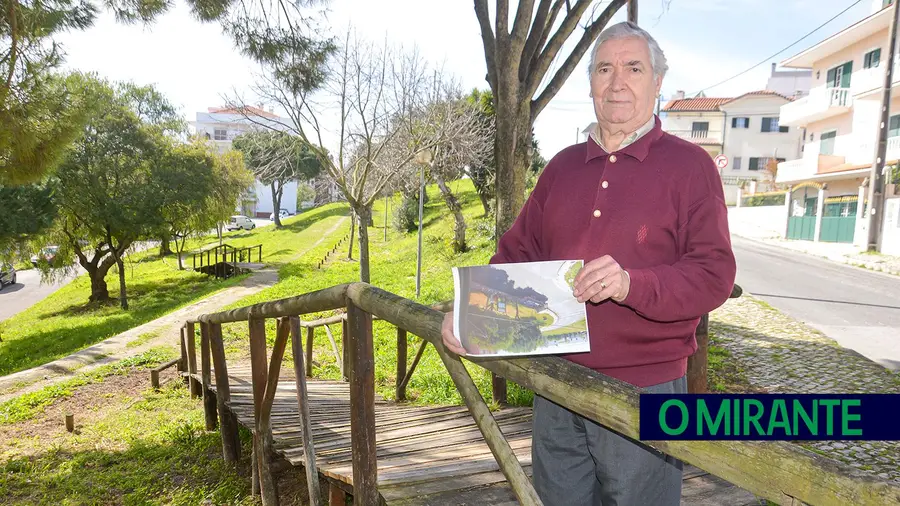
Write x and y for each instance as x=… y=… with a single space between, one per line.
x=281 y=214
x=240 y=221
x=7 y=275
x=48 y=254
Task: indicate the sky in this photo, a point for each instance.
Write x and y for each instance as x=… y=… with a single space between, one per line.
x=705 y=42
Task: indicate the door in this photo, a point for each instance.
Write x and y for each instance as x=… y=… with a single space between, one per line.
x=839 y=219
x=839 y=77
x=802 y=221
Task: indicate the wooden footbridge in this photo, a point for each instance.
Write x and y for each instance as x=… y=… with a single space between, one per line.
x=380 y=452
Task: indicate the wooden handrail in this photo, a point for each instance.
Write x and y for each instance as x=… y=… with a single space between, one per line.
x=801 y=475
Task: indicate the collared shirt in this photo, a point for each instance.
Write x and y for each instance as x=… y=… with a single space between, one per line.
x=657 y=207
x=637 y=134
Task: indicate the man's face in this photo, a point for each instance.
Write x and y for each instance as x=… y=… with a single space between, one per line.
x=623 y=85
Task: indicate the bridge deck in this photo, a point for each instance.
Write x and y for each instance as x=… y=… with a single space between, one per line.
x=426 y=455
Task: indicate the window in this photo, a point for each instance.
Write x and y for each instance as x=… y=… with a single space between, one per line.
x=826 y=142
x=839 y=77
x=740 y=122
x=220 y=135
x=872 y=59
x=754 y=163
x=769 y=125
x=894 y=126
x=737 y=163
x=783 y=129
x=699 y=129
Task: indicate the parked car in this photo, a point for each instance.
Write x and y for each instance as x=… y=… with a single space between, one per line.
x=7 y=275
x=238 y=222
x=281 y=214
x=48 y=254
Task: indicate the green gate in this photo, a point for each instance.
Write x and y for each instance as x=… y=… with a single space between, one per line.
x=803 y=228
x=839 y=219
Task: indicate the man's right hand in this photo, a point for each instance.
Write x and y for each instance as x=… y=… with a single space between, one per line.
x=450 y=341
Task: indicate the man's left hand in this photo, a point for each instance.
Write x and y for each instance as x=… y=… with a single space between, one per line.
x=601 y=279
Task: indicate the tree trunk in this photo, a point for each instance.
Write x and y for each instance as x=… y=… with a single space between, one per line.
x=164 y=248
x=365 y=214
x=459 y=235
x=277 y=190
x=513 y=140
x=99 y=290
x=179 y=246
x=484 y=202
x=123 y=296
x=352 y=233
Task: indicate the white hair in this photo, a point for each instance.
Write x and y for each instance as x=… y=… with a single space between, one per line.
x=628 y=29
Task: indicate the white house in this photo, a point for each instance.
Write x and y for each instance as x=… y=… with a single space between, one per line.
x=220 y=125
x=841 y=116
x=790 y=83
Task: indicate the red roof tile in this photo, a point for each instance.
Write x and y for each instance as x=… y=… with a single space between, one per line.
x=695 y=104
x=249 y=109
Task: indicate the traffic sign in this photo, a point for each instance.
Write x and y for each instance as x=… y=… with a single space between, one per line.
x=721 y=161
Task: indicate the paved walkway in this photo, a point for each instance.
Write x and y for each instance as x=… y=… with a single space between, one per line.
x=780 y=354
x=165 y=327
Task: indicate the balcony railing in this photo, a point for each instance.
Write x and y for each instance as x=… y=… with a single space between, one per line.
x=699 y=136
x=821 y=103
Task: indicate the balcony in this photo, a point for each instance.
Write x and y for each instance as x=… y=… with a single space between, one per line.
x=808 y=167
x=821 y=103
x=701 y=137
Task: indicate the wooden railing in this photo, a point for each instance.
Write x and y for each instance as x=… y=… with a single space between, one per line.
x=225 y=253
x=780 y=472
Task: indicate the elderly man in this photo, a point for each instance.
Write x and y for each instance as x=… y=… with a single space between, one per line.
x=646 y=212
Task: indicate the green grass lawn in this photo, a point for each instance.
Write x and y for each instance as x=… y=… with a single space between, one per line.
x=64 y=322
x=393 y=268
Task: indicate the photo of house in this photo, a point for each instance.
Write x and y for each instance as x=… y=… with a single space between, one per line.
x=520 y=309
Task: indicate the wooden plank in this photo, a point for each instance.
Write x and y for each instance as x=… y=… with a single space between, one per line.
x=360 y=352
x=709 y=490
x=209 y=398
x=395 y=493
x=345 y=350
x=312 y=474
x=231 y=445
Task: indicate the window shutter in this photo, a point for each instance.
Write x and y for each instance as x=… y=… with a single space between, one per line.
x=765 y=126
x=829 y=78
x=754 y=163
x=734 y=122
x=783 y=129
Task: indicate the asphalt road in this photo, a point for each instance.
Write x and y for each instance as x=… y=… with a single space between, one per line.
x=26 y=291
x=859 y=309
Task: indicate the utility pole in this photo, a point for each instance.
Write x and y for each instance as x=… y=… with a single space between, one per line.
x=876 y=179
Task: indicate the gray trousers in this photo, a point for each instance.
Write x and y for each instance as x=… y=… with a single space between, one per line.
x=577 y=462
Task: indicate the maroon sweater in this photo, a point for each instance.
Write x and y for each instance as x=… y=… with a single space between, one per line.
x=662 y=216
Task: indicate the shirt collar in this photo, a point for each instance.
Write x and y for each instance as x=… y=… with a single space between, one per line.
x=636 y=145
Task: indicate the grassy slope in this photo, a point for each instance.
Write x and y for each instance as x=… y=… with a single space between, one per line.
x=64 y=323
x=393 y=268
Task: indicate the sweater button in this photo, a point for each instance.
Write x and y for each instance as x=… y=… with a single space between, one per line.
x=605 y=184
x=612 y=158
x=597 y=213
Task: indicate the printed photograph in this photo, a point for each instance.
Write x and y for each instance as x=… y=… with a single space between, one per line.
x=520 y=309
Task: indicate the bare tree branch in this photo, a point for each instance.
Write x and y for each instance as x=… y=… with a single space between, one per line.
x=487 y=38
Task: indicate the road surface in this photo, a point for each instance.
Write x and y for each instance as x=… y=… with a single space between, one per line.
x=27 y=291
x=859 y=309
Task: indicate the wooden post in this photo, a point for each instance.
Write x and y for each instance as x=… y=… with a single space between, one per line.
x=412 y=367
x=192 y=359
x=182 y=364
x=70 y=423
x=698 y=362
x=154 y=378
x=336 y=496
x=401 y=363
x=309 y=452
x=345 y=369
x=209 y=398
x=231 y=444
x=498 y=389
x=266 y=449
x=310 y=334
x=258 y=384
x=362 y=405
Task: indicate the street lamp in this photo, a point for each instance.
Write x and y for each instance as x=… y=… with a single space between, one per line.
x=423 y=158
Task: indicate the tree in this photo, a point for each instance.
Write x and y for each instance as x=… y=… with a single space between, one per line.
x=39 y=115
x=518 y=62
x=482 y=174
x=25 y=211
x=276 y=159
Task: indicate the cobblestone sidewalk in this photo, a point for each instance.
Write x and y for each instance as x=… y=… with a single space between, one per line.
x=780 y=354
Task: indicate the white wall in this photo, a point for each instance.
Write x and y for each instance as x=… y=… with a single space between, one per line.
x=890 y=231
x=758 y=222
x=752 y=142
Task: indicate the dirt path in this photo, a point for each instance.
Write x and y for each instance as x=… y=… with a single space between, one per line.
x=165 y=328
